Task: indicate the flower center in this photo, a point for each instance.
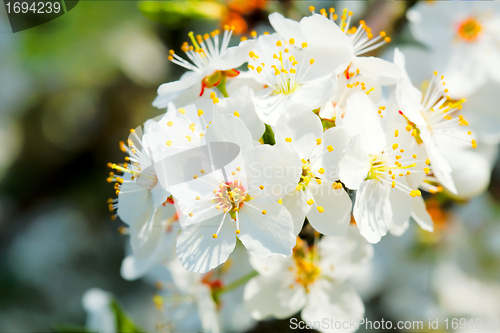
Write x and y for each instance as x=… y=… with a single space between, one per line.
x=230 y=197
x=387 y=166
x=469 y=29
x=305 y=258
x=285 y=72
x=306 y=176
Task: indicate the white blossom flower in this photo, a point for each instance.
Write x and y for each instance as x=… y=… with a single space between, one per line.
x=224 y=197
x=432 y=119
x=464 y=37
x=215 y=299
x=211 y=62
x=141 y=203
x=296 y=78
x=239 y=103
x=380 y=168
x=313 y=280
x=159 y=246
x=318 y=195
x=356 y=73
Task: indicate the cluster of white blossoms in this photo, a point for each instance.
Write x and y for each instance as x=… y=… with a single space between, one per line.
x=311 y=133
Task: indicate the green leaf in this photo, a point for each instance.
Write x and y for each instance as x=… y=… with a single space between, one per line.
x=69 y=329
x=268 y=136
x=123 y=322
x=175 y=13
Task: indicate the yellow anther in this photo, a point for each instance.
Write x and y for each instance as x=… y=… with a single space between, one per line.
x=214 y=236
x=330 y=148
x=278 y=43
x=428 y=162
x=197 y=198
x=310 y=202
x=474 y=144
x=182 y=111
x=311 y=61
x=415 y=193
x=321 y=170
x=393 y=184
x=292 y=41
x=238 y=231
x=264 y=212
x=318 y=141
x=253 y=33
x=320 y=209
x=395 y=146
x=288 y=140
x=304 y=45
x=311 y=8
x=195 y=177
x=387 y=39
x=427 y=170
x=169 y=143
x=190 y=214
x=261 y=187
x=236 y=114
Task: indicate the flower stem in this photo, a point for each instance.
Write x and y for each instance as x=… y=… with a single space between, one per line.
x=222 y=86
x=237 y=283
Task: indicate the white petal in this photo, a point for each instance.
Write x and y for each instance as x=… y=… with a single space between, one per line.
x=234 y=57
x=333 y=300
x=169 y=92
x=362 y=119
x=242 y=101
x=338 y=138
x=303 y=129
x=155 y=246
x=354 y=164
x=198 y=251
x=344 y=256
x=274 y=296
x=135 y=203
x=272 y=265
x=229 y=129
x=336 y=205
x=296 y=204
x=269 y=233
x=207 y=309
x=471 y=171
x=421 y=215
x=286 y=28
x=272 y=171
x=440 y=166
x=372 y=210
x=385 y=72
x=401 y=204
